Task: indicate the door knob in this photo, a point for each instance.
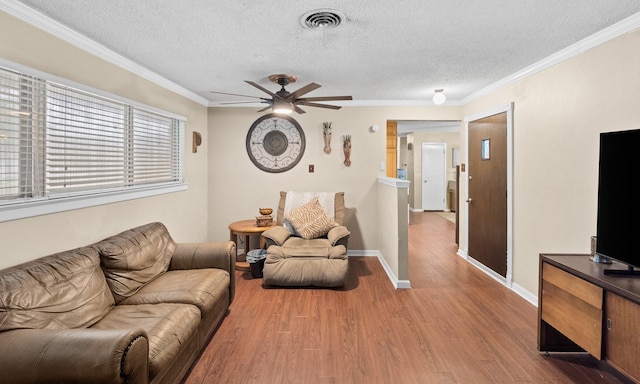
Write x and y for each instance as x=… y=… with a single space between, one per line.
x=469 y=200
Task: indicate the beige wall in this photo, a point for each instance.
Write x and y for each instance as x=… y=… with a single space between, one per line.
x=237 y=188
x=558 y=115
x=184 y=213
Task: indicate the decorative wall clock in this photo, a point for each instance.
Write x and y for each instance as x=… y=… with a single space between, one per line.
x=275 y=143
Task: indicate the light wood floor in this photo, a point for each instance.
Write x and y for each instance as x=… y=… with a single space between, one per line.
x=455 y=325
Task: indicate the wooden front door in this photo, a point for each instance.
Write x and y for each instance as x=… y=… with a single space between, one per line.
x=488 y=192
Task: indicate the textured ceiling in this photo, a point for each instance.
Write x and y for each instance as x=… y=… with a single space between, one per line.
x=383 y=51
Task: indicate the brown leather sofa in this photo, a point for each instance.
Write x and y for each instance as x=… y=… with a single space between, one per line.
x=134 y=308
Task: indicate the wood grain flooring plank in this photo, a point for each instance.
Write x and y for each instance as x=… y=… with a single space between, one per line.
x=455 y=325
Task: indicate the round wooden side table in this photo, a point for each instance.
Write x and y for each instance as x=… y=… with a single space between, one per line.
x=246 y=228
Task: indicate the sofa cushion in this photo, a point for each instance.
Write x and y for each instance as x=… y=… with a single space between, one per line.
x=168 y=326
x=60 y=291
x=200 y=287
x=134 y=257
x=310 y=220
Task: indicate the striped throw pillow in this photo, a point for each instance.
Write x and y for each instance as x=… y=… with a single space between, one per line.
x=310 y=220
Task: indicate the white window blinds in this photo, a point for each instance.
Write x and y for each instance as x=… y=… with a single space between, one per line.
x=85 y=142
x=57 y=141
x=21 y=142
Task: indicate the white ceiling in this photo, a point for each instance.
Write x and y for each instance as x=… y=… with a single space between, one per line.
x=383 y=53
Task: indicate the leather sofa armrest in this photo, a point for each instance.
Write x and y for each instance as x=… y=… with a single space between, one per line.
x=221 y=255
x=74 y=356
x=276 y=235
x=339 y=235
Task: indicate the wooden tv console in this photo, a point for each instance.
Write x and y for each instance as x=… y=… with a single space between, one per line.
x=580 y=309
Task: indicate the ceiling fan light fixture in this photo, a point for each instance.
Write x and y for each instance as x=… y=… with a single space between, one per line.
x=439 y=97
x=281 y=106
x=285 y=102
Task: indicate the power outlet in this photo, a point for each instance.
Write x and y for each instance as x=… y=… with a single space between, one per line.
x=312 y=168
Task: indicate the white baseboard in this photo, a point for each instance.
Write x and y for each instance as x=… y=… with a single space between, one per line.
x=530 y=297
x=360 y=252
x=406 y=284
x=398 y=284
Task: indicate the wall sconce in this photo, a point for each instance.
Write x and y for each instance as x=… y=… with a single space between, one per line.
x=439 y=97
x=197 y=141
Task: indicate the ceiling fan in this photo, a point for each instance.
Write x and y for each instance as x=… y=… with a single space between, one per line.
x=284 y=101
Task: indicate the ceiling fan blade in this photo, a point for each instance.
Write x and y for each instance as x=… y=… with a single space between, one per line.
x=321 y=105
x=264 y=109
x=260 y=87
x=244 y=102
x=235 y=94
x=326 y=98
x=304 y=90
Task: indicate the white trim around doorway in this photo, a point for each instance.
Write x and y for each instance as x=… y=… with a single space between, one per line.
x=508 y=108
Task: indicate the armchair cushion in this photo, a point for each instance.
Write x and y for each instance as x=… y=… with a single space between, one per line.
x=310 y=220
x=299 y=248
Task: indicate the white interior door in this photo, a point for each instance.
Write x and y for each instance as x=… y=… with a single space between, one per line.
x=434 y=176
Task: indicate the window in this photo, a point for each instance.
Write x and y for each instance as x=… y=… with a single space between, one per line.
x=58 y=142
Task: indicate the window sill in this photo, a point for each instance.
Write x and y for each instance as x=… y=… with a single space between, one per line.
x=61 y=204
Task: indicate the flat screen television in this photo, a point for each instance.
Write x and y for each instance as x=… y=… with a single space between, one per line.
x=618 y=222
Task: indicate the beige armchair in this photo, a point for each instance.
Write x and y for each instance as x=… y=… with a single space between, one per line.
x=308 y=247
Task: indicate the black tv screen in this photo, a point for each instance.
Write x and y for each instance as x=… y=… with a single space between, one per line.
x=618 y=222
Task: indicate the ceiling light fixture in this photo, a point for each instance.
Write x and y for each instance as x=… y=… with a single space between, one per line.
x=281 y=106
x=439 y=97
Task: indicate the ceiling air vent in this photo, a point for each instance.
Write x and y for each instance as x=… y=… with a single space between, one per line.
x=324 y=18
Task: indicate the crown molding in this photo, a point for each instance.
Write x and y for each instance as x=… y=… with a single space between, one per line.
x=47 y=24
x=627 y=25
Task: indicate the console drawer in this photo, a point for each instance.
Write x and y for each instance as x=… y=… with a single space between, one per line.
x=573 y=306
